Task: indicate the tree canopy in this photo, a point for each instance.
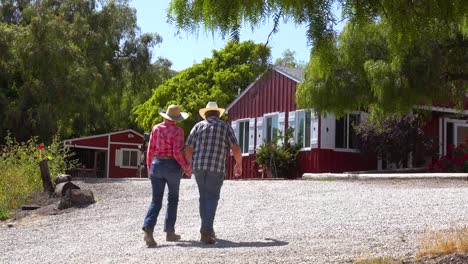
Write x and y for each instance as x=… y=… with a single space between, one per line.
x=76 y=65
x=392 y=55
x=219 y=78
x=288 y=60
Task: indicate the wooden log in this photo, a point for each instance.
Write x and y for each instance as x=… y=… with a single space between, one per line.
x=62 y=188
x=45 y=176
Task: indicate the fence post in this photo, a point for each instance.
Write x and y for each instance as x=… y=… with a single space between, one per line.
x=45 y=176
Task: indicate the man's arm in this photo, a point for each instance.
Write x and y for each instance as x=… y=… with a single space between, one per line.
x=236 y=150
x=188 y=152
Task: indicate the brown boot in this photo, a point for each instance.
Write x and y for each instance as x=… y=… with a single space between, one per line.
x=207 y=238
x=172 y=236
x=148 y=237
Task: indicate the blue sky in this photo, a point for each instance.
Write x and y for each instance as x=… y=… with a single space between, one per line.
x=186 y=49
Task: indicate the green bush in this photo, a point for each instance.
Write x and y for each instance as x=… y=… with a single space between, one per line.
x=279 y=156
x=20 y=173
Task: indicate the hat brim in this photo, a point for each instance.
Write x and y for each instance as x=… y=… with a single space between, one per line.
x=178 y=118
x=204 y=110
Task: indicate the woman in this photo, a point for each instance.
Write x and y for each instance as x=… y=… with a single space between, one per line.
x=165 y=162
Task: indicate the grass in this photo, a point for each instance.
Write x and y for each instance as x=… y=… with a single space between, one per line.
x=434 y=243
x=377 y=260
x=444 y=242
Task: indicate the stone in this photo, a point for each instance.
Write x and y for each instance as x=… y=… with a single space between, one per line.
x=81 y=197
x=63 y=178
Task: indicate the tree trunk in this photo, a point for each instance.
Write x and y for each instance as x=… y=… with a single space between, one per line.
x=45 y=175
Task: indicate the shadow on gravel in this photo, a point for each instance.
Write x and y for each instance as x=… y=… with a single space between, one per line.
x=221 y=243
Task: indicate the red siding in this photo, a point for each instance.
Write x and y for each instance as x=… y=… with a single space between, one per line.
x=275 y=92
x=97 y=142
x=117 y=172
x=124 y=137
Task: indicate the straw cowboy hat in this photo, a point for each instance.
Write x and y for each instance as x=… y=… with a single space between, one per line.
x=211 y=106
x=173 y=113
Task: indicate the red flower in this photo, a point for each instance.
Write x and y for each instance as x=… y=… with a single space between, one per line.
x=40 y=147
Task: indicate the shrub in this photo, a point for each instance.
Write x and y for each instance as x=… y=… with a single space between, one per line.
x=20 y=177
x=279 y=156
x=392 y=138
x=456 y=160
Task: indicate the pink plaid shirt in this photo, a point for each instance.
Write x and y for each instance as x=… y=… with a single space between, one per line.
x=167 y=139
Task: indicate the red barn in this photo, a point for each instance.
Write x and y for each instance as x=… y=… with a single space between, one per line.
x=268 y=106
x=112 y=155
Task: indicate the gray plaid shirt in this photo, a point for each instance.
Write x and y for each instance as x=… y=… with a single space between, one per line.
x=211 y=140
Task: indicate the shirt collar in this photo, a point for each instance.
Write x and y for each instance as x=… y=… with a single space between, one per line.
x=169 y=122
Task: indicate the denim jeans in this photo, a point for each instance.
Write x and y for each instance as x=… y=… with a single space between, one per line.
x=164 y=172
x=209 y=187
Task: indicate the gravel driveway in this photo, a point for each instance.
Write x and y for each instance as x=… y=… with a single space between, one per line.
x=257 y=222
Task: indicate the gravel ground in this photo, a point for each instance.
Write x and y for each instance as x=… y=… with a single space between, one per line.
x=257 y=222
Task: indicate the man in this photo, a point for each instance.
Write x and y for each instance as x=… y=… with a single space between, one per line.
x=207 y=146
x=165 y=158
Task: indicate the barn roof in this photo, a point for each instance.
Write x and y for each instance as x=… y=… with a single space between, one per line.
x=295 y=74
x=107 y=134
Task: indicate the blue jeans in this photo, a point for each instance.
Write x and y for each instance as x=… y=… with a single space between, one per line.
x=209 y=186
x=164 y=172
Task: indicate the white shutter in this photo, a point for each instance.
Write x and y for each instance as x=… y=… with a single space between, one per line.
x=259 y=139
x=281 y=122
x=314 y=129
x=118 y=157
x=236 y=131
x=292 y=124
x=281 y=125
x=328 y=131
x=251 y=135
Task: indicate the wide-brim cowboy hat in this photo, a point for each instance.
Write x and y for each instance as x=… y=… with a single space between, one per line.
x=211 y=106
x=173 y=113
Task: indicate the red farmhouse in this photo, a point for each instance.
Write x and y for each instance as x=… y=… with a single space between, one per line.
x=112 y=155
x=268 y=106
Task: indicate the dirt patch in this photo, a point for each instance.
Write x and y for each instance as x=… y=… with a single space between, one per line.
x=457 y=258
x=48 y=206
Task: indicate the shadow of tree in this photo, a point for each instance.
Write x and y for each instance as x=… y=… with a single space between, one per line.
x=222 y=243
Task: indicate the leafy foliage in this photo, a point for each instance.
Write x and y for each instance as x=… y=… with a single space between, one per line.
x=279 y=158
x=218 y=79
x=392 y=138
x=456 y=160
x=74 y=64
x=288 y=60
x=392 y=55
x=20 y=176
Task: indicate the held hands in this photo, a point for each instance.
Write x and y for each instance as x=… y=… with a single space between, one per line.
x=188 y=173
x=237 y=170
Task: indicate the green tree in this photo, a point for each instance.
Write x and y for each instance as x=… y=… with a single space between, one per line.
x=218 y=78
x=417 y=34
x=74 y=64
x=288 y=60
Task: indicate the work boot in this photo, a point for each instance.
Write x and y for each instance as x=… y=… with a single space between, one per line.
x=207 y=237
x=172 y=236
x=148 y=237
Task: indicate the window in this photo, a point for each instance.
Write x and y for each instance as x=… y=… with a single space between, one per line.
x=129 y=158
x=244 y=136
x=345 y=136
x=304 y=120
x=271 y=128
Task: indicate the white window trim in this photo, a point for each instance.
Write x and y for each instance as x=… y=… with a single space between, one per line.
x=312 y=116
x=444 y=127
x=121 y=158
x=238 y=134
x=351 y=150
x=264 y=124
